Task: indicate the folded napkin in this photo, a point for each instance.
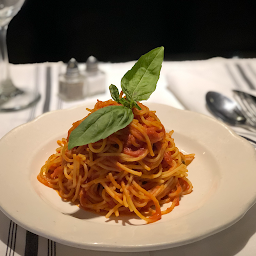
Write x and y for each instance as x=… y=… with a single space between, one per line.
x=189 y=81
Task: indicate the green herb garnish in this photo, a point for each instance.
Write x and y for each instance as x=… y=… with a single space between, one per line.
x=100 y=124
x=137 y=84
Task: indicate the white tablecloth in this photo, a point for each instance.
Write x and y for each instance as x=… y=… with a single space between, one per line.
x=188 y=81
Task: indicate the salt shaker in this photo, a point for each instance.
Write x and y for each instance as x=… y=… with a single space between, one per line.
x=72 y=84
x=96 y=78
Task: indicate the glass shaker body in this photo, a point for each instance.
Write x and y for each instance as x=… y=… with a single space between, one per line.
x=72 y=84
x=96 y=78
x=96 y=82
x=72 y=88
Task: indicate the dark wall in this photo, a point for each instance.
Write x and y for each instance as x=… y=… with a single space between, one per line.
x=53 y=30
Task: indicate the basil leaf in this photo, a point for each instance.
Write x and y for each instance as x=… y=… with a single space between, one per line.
x=100 y=124
x=140 y=82
x=114 y=92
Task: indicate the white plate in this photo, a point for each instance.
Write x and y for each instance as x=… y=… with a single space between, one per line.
x=223 y=175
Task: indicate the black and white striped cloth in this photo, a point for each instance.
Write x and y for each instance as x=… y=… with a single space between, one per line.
x=240 y=239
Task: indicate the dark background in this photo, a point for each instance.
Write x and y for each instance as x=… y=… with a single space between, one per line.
x=53 y=30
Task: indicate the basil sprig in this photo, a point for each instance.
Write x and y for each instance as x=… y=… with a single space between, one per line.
x=137 y=84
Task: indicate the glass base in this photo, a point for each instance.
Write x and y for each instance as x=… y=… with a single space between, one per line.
x=20 y=101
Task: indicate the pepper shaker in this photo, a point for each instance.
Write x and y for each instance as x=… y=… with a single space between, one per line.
x=72 y=84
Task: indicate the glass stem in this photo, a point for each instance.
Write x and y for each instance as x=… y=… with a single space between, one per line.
x=6 y=85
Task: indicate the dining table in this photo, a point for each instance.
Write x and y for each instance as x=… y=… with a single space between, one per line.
x=182 y=85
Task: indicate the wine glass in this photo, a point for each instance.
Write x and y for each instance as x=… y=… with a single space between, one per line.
x=11 y=97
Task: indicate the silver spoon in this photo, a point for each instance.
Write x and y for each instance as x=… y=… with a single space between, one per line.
x=228 y=111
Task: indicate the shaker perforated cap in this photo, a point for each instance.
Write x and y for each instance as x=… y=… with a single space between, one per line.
x=91 y=64
x=72 y=68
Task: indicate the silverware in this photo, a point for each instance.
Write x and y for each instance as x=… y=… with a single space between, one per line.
x=245 y=100
x=228 y=111
x=247 y=103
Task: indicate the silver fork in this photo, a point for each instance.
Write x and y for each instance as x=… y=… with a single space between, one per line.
x=248 y=105
x=246 y=101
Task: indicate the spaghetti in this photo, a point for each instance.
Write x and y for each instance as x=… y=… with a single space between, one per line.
x=136 y=169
